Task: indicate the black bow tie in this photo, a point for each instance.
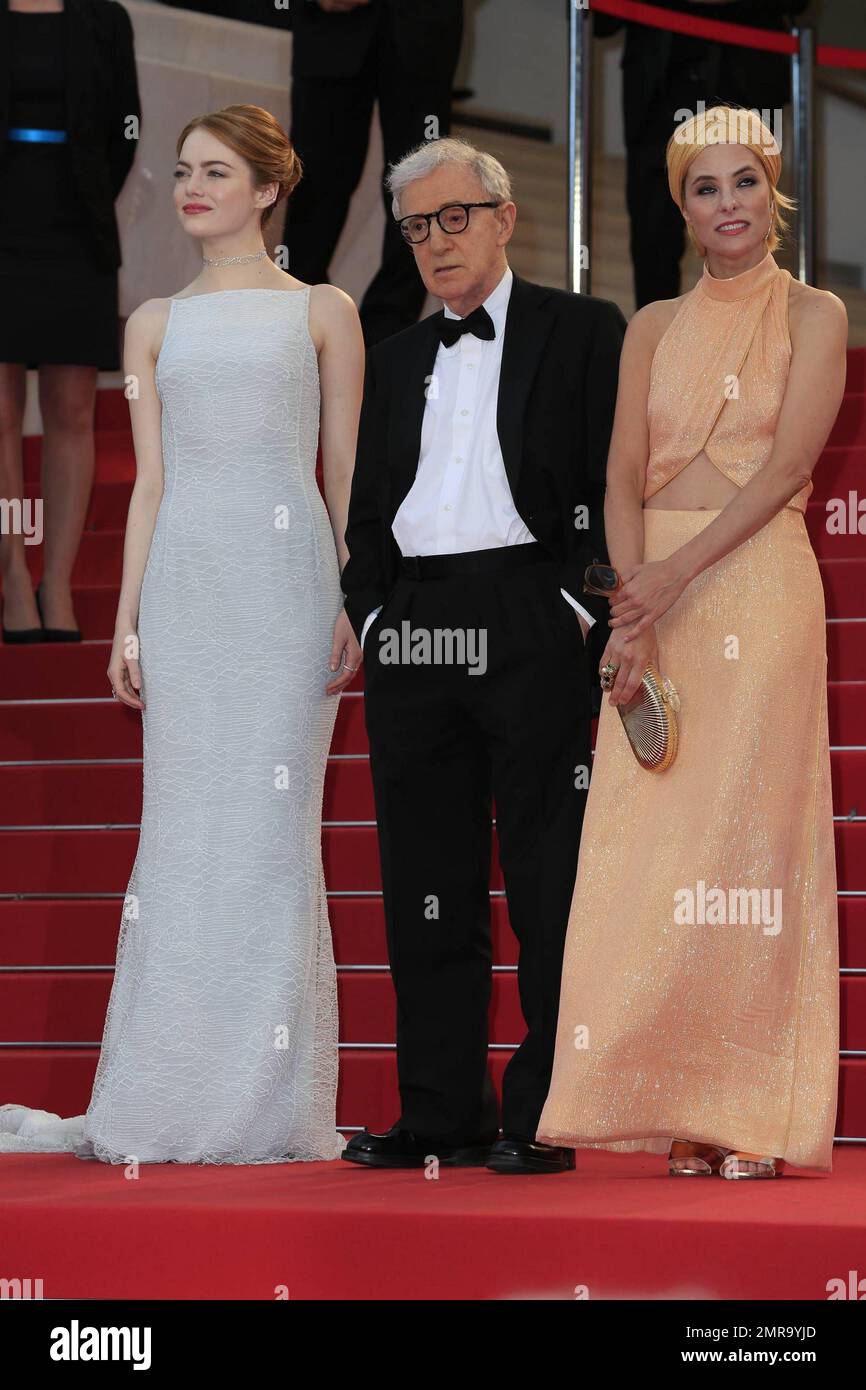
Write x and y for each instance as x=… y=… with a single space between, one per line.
x=478 y=322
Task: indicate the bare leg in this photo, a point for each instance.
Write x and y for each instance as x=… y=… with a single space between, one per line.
x=67 y=396
x=19 y=605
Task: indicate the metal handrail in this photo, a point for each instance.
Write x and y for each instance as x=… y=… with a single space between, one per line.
x=579 y=276
x=803 y=95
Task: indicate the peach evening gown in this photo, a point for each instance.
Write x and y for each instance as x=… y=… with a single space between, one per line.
x=717 y=1030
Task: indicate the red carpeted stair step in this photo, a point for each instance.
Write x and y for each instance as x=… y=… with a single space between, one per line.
x=77 y=670
x=613 y=1230
x=69 y=1006
x=850 y=426
x=61 y=1079
x=855 y=381
x=100 y=861
x=99 y=558
x=847 y=712
x=835 y=544
x=57 y=1006
x=844 y=587
x=112 y=408
x=106 y=519
x=103 y=728
x=57 y=932
x=839 y=471
x=844 y=584
x=846 y=649
x=109 y=793
x=848 y=768
x=99 y=729
x=65 y=671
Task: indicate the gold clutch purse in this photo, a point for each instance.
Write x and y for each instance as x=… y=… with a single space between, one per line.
x=650 y=721
x=650 y=717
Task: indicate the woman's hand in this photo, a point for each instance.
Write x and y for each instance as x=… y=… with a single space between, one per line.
x=345 y=651
x=124 y=668
x=632 y=655
x=649 y=591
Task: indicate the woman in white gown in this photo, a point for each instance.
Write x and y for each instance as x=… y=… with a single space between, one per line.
x=220 y=1041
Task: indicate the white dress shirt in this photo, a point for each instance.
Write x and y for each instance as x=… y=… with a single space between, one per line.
x=460 y=499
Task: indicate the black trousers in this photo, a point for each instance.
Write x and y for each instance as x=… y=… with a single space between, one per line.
x=657 y=235
x=331 y=132
x=441 y=742
x=657 y=231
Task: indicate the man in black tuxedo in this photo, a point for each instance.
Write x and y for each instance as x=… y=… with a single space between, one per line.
x=663 y=73
x=476 y=506
x=348 y=54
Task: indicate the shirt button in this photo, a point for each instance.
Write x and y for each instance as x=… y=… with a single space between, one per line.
x=447 y=507
x=470 y=365
x=464 y=412
x=458 y=459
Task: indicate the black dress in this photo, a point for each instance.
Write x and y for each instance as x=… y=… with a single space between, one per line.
x=59 y=298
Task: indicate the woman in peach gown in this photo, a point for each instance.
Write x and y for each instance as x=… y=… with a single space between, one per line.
x=684 y=1028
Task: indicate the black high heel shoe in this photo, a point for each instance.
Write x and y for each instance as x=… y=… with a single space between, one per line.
x=54 y=634
x=21 y=635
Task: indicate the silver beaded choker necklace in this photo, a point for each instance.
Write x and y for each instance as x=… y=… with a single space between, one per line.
x=234 y=260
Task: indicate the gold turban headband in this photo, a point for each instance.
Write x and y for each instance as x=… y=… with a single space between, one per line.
x=724 y=125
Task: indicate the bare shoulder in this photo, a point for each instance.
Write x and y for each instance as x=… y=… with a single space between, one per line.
x=332 y=312
x=816 y=316
x=647 y=325
x=330 y=302
x=145 y=326
x=149 y=312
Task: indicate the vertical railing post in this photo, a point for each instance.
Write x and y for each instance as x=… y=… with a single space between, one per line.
x=803 y=93
x=579 y=150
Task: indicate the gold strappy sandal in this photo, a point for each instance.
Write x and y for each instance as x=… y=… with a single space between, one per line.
x=701 y=1164
x=737 y=1166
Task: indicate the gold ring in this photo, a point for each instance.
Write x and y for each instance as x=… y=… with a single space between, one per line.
x=608 y=671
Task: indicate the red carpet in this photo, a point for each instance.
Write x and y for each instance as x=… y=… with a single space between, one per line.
x=618 y=1227
x=70 y=799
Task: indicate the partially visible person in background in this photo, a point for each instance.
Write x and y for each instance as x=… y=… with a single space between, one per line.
x=348 y=54
x=68 y=88
x=663 y=73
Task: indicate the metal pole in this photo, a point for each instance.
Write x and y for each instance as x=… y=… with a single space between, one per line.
x=579 y=59
x=803 y=88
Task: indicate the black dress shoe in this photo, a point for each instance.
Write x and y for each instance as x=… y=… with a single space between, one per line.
x=21 y=635
x=513 y=1154
x=54 y=634
x=401 y=1148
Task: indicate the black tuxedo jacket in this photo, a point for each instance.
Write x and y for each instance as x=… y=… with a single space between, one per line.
x=557 y=393
x=336 y=45
x=101 y=91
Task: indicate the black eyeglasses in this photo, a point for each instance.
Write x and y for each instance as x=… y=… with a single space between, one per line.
x=453 y=218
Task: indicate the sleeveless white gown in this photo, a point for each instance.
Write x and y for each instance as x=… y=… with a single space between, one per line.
x=220 y=1042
